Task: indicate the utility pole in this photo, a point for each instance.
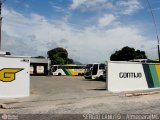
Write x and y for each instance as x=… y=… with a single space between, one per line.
x=158 y=49
x=0 y=25
x=155 y=28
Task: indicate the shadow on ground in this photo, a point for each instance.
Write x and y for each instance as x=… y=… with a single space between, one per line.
x=98 y=89
x=101 y=80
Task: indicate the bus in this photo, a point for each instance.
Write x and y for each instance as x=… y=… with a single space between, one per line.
x=94 y=71
x=73 y=70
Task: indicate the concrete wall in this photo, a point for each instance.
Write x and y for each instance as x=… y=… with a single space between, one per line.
x=128 y=76
x=14 y=77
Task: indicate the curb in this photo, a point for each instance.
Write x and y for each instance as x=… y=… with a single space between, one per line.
x=141 y=93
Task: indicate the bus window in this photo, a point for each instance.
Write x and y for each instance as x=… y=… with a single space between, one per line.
x=61 y=67
x=77 y=67
x=68 y=67
x=54 y=68
x=80 y=67
x=102 y=66
x=88 y=66
x=95 y=69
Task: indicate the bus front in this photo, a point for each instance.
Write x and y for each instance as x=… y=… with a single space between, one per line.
x=88 y=71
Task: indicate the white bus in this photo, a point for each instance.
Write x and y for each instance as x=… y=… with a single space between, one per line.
x=72 y=70
x=94 y=71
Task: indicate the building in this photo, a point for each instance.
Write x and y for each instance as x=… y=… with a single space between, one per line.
x=39 y=66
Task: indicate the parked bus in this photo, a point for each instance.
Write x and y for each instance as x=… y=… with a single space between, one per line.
x=74 y=70
x=94 y=71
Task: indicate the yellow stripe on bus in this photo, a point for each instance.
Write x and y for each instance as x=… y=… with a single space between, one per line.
x=76 y=72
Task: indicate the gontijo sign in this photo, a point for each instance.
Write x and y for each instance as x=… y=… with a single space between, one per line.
x=9 y=74
x=130 y=75
x=124 y=76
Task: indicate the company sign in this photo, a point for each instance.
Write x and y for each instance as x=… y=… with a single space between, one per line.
x=9 y=74
x=126 y=76
x=14 y=77
x=130 y=75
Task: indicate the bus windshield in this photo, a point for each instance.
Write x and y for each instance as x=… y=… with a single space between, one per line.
x=88 y=66
x=54 y=68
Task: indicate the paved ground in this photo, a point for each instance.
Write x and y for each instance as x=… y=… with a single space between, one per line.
x=57 y=95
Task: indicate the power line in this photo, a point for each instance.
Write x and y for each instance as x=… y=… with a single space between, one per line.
x=155 y=25
x=1 y=3
x=154 y=21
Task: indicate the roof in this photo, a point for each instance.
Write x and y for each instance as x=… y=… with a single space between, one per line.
x=2 y=52
x=143 y=60
x=39 y=60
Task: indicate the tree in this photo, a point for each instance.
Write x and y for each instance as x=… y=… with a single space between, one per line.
x=127 y=53
x=8 y=53
x=70 y=61
x=59 y=56
x=39 y=57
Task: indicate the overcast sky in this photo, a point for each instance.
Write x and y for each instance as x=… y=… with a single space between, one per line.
x=91 y=30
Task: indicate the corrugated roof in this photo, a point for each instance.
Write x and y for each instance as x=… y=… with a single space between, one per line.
x=39 y=60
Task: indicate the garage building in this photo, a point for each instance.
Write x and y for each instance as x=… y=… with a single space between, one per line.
x=39 y=66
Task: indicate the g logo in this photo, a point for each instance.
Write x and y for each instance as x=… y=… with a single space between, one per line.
x=8 y=74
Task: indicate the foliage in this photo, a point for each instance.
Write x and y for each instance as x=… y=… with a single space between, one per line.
x=70 y=61
x=8 y=53
x=39 y=57
x=59 y=56
x=127 y=53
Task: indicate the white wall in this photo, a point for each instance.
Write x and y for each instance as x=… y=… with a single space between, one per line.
x=20 y=87
x=118 y=83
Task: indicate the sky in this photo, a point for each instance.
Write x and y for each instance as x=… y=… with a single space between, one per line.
x=90 y=30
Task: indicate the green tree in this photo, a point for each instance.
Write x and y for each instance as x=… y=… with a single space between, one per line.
x=70 y=61
x=39 y=57
x=8 y=53
x=59 y=56
x=127 y=53
x=60 y=60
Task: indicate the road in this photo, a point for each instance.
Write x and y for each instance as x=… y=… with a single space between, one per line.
x=68 y=95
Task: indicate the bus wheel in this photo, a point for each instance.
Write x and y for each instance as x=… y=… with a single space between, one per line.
x=79 y=74
x=59 y=74
x=101 y=77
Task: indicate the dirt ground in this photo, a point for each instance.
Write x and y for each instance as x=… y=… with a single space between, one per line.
x=68 y=95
